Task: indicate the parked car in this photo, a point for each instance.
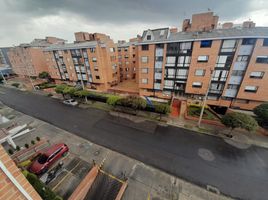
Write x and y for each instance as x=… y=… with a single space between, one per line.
x=71 y=102
x=47 y=158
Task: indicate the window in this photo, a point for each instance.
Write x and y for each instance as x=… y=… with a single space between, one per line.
x=262 y=59
x=112 y=49
x=228 y=46
x=168 y=84
x=197 y=85
x=206 y=43
x=171 y=60
x=144 y=59
x=237 y=73
x=216 y=88
x=219 y=75
x=94 y=59
x=96 y=68
x=97 y=77
x=256 y=75
x=92 y=50
x=144 y=70
x=126 y=49
x=224 y=61
x=200 y=72
x=149 y=37
x=242 y=58
x=184 y=61
x=170 y=73
x=202 y=59
x=159 y=58
x=182 y=73
x=248 y=41
x=185 y=47
x=265 y=42
x=231 y=86
x=119 y=49
x=144 y=80
x=145 y=47
x=251 y=89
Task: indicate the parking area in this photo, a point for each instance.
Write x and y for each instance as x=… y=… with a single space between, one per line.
x=144 y=182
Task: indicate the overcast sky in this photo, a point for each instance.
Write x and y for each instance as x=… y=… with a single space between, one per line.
x=23 y=20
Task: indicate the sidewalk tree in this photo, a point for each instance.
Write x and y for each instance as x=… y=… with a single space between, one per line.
x=261 y=112
x=69 y=90
x=239 y=120
x=60 y=88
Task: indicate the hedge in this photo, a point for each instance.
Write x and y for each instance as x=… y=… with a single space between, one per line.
x=45 y=192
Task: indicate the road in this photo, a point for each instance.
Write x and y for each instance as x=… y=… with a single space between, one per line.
x=238 y=173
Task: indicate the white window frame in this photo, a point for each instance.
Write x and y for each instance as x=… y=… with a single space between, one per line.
x=200 y=72
x=145 y=70
x=144 y=59
x=144 y=80
x=202 y=58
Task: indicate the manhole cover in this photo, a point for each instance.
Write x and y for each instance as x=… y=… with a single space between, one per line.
x=206 y=154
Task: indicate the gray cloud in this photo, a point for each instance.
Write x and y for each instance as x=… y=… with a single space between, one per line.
x=114 y=16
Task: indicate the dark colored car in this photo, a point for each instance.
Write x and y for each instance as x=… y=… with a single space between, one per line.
x=47 y=158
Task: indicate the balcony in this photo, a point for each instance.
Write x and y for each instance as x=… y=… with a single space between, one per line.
x=236 y=80
x=158 y=76
x=240 y=65
x=230 y=93
x=158 y=64
x=245 y=50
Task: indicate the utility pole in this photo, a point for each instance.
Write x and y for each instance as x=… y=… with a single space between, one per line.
x=82 y=83
x=30 y=78
x=205 y=100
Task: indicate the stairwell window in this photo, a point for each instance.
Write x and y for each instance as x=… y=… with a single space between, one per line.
x=200 y=72
x=205 y=43
x=202 y=59
x=265 y=42
x=258 y=75
x=145 y=47
x=262 y=59
x=144 y=59
x=144 y=70
x=144 y=80
x=197 y=85
x=252 y=89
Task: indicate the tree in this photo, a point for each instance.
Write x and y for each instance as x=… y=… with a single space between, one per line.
x=261 y=112
x=69 y=90
x=134 y=102
x=239 y=120
x=82 y=93
x=60 y=88
x=44 y=75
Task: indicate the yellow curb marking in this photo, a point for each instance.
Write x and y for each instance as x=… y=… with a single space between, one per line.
x=68 y=173
x=113 y=177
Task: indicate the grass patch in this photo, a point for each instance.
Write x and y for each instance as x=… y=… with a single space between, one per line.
x=195 y=112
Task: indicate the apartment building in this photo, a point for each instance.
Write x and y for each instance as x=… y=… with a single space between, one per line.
x=127 y=59
x=90 y=61
x=4 y=60
x=13 y=184
x=232 y=63
x=28 y=59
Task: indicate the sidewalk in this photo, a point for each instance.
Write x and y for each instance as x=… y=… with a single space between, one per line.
x=240 y=139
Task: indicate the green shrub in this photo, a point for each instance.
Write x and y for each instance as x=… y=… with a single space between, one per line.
x=112 y=100
x=10 y=151
x=37 y=138
x=161 y=108
x=44 y=75
x=81 y=93
x=25 y=163
x=69 y=90
x=45 y=192
x=17 y=148
x=26 y=145
x=239 y=120
x=46 y=85
x=261 y=112
x=15 y=85
x=60 y=88
x=33 y=142
x=134 y=102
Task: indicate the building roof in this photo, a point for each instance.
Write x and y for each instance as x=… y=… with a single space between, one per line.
x=71 y=46
x=232 y=33
x=126 y=44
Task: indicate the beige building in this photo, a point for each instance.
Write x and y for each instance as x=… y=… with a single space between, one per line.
x=127 y=59
x=232 y=63
x=13 y=184
x=90 y=61
x=28 y=59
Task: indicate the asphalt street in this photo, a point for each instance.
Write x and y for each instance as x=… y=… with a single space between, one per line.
x=239 y=173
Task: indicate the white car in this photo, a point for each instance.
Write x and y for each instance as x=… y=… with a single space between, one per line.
x=71 y=102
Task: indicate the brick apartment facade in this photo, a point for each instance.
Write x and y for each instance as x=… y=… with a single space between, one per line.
x=181 y=64
x=9 y=189
x=28 y=59
x=91 y=58
x=127 y=59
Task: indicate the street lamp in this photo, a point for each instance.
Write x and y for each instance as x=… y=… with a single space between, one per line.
x=205 y=99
